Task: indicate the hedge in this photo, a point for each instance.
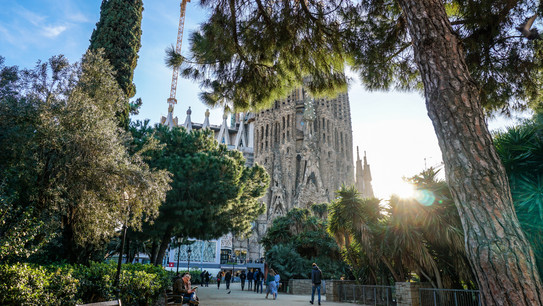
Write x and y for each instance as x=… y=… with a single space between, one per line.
x=25 y=284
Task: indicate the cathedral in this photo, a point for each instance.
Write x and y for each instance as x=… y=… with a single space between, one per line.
x=306 y=146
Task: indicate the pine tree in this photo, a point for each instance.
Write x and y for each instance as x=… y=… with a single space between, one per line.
x=213 y=191
x=118 y=32
x=252 y=52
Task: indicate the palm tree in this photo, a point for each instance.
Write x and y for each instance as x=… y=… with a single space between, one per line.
x=521 y=151
x=355 y=224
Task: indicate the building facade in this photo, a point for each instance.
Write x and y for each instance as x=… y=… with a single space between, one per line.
x=304 y=143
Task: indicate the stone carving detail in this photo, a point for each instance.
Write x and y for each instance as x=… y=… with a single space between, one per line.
x=306 y=146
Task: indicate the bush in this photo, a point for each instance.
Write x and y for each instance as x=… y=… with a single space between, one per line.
x=23 y=284
x=139 y=284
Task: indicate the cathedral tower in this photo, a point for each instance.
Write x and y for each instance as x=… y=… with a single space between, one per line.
x=306 y=146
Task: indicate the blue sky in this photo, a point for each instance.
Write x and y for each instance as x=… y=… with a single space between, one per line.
x=392 y=127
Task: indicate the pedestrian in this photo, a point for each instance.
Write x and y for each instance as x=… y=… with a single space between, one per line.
x=202 y=275
x=250 y=280
x=227 y=278
x=206 y=278
x=242 y=278
x=316 y=277
x=277 y=284
x=219 y=276
x=259 y=278
x=270 y=283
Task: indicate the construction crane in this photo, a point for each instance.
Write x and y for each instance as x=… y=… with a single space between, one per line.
x=169 y=120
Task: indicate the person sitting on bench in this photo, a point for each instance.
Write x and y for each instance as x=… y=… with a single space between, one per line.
x=182 y=286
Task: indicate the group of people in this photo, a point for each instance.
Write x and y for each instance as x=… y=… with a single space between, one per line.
x=183 y=288
x=227 y=279
x=204 y=278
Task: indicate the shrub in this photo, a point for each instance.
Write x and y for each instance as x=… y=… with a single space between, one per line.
x=139 y=284
x=23 y=284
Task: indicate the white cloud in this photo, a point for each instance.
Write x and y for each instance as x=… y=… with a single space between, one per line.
x=76 y=17
x=53 y=31
x=6 y=35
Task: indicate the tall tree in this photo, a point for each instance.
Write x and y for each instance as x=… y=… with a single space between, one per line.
x=118 y=32
x=65 y=157
x=251 y=52
x=213 y=191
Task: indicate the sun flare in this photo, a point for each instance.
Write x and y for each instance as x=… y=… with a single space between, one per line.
x=404 y=190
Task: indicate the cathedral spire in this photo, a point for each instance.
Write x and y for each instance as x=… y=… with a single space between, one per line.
x=188 y=122
x=363 y=176
x=223 y=136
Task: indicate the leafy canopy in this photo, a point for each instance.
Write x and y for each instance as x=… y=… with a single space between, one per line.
x=65 y=159
x=253 y=52
x=213 y=191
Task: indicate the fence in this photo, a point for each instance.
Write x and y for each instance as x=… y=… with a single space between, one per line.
x=368 y=295
x=449 y=297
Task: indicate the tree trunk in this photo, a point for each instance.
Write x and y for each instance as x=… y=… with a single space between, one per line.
x=154 y=251
x=163 y=246
x=500 y=256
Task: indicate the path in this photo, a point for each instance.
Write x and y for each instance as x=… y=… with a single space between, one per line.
x=211 y=296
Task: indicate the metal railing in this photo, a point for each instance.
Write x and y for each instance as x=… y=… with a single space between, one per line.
x=368 y=295
x=449 y=297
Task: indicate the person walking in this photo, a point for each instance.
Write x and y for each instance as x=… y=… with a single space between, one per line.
x=277 y=284
x=316 y=277
x=202 y=275
x=206 y=278
x=259 y=277
x=227 y=279
x=242 y=278
x=219 y=276
x=270 y=283
x=250 y=280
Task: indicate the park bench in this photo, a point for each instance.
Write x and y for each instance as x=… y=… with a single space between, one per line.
x=108 y=303
x=169 y=299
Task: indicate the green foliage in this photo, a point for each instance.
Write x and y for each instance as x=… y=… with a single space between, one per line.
x=139 y=285
x=213 y=192
x=288 y=262
x=118 y=34
x=23 y=284
x=173 y=59
x=252 y=52
x=296 y=240
x=67 y=285
x=422 y=236
x=521 y=151
x=65 y=160
x=19 y=227
x=257 y=55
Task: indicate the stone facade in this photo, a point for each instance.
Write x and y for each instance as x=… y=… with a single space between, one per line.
x=304 y=143
x=306 y=146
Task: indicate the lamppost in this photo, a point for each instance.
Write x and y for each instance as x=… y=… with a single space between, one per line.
x=119 y=262
x=189 y=251
x=178 y=253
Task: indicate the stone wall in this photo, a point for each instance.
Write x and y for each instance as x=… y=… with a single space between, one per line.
x=407 y=293
x=303 y=286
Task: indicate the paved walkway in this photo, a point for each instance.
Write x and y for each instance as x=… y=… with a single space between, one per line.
x=211 y=296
